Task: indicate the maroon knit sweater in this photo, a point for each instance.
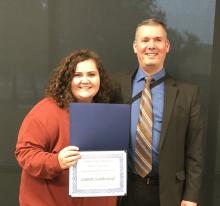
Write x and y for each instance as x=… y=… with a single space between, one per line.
x=43 y=133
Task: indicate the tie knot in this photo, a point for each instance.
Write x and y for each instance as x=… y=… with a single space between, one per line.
x=148 y=80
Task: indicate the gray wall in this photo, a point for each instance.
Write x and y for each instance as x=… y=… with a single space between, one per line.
x=35 y=34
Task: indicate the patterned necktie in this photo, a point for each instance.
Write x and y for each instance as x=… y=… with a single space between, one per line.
x=143 y=150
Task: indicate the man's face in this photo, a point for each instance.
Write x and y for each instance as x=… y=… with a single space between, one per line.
x=151 y=46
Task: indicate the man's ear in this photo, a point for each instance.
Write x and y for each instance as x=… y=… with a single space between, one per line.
x=168 y=45
x=135 y=47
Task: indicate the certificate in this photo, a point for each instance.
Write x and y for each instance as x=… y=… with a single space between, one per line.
x=99 y=173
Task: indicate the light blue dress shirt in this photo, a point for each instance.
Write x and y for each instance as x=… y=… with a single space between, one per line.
x=157 y=95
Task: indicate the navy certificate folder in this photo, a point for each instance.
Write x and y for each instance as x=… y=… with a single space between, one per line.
x=97 y=126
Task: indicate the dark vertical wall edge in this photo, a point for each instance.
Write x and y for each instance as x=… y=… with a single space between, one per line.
x=213 y=117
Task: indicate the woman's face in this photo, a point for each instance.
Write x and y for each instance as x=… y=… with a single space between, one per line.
x=86 y=81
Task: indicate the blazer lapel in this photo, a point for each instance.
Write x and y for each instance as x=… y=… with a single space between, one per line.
x=170 y=93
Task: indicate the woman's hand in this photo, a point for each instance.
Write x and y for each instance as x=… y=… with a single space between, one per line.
x=68 y=156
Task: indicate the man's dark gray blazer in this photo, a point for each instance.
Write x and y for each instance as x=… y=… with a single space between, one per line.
x=180 y=149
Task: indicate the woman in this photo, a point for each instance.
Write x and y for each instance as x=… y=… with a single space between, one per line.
x=42 y=148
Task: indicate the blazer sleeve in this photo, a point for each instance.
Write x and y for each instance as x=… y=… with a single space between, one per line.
x=194 y=150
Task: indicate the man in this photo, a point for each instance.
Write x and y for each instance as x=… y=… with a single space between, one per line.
x=171 y=175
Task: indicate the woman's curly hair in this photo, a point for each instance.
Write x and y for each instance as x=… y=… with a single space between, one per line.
x=59 y=86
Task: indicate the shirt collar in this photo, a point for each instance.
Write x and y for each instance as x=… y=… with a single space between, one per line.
x=140 y=75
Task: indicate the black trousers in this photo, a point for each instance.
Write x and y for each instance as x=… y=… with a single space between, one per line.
x=141 y=192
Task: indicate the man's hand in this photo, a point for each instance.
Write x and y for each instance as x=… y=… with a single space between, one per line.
x=68 y=156
x=188 y=203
